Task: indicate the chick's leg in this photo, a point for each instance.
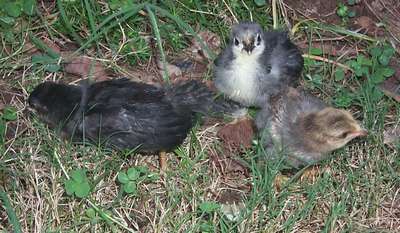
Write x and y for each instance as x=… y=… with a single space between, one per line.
x=163 y=160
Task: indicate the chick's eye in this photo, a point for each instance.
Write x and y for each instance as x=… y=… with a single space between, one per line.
x=344 y=135
x=236 y=41
x=258 y=39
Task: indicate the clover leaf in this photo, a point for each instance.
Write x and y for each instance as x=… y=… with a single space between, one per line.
x=386 y=55
x=342 y=10
x=8 y=114
x=209 y=207
x=344 y=98
x=375 y=51
x=78 y=184
x=130 y=178
x=339 y=74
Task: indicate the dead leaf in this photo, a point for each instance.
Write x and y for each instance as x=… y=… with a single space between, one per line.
x=193 y=62
x=211 y=39
x=365 y=22
x=279 y=181
x=369 y=26
x=84 y=67
x=173 y=71
x=238 y=135
x=190 y=69
x=391 y=86
x=140 y=74
x=311 y=174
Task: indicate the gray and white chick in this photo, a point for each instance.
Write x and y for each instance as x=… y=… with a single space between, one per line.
x=303 y=128
x=256 y=64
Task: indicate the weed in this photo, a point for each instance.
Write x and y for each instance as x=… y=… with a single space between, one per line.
x=344 y=12
x=9 y=114
x=78 y=185
x=131 y=178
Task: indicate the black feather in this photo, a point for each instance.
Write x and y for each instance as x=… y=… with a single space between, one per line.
x=123 y=114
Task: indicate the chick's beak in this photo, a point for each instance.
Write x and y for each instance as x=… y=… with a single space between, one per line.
x=359 y=133
x=33 y=102
x=248 y=46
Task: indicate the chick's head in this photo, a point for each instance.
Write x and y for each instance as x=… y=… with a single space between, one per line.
x=54 y=102
x=332 y=128
x=247 y=39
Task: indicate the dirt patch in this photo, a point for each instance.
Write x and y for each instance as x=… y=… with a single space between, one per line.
x=388 y=12
x=84 y=67
x=317 y=9
x=372 y=17
x=325 y=11
x=237 y=136
x=193 y=62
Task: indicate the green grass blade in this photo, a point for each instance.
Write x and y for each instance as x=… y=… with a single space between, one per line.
x=104 y=215
x=129 y=12
x=153 y=21
x=341 y=30
x=186 y=27
x=67 y=24
x=119 y=13
x=200 y=8
x=91 y=18
x=42 y=46
x=12 y=217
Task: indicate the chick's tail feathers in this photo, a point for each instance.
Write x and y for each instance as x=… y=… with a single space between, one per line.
x=196 y=97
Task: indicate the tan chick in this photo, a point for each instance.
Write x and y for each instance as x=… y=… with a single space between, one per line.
x=304 y=128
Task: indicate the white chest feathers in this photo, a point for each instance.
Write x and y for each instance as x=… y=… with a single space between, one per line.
x=242 y=79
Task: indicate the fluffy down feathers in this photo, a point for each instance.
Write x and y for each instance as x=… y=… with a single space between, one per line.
x=256 y=64
x=302 y=127
x=122 y=113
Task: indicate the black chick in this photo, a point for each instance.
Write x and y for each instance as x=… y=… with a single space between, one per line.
x=122 y=113
x=256 y=64
x=304 y=128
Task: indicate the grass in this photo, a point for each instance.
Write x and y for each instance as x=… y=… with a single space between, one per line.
x=355 y=191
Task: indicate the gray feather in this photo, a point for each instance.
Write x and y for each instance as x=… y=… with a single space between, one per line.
x=278 y=124
x=251 y=79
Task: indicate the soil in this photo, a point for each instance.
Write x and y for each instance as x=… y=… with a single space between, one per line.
x=325 y=10
x=372 y=17
x=238 y=135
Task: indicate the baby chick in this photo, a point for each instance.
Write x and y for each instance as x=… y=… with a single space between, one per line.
x=121 y=113
x=256 y=64
x=304 y=127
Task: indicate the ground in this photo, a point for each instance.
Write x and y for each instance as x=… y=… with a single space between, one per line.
x=215 y=181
